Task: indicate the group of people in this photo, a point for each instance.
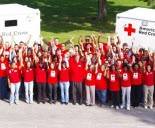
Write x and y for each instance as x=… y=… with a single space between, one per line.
x=87 y=73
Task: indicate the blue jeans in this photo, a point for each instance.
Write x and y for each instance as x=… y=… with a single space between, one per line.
x=102 y=96
x=14 y=96
x=29 y=91
x=4 y=94
x=64 y=86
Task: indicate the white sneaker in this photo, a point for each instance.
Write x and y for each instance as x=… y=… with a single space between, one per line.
x=122 y=106
x=145 y=107
x=17 y=103
x=10 y=104
x=31 y=102
x=128 y=108
x=117 y=107
x=112 y=106
x=151 y=107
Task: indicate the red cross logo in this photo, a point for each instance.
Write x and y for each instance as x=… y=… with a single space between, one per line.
x=129 y=29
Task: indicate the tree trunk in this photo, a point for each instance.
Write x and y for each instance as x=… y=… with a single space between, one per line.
x=102 y=12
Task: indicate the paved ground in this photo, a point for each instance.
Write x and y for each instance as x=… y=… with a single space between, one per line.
x=62 y=116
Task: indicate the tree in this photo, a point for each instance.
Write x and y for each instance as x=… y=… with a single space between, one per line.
x=102 y=11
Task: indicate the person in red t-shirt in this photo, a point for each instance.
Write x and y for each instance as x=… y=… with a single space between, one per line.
x=114 y=86
x=64 y=80
x=4 y=94
x=148 y=87
x=136 y=88
x=90 y=85
x=126 y=86
x=14 y=80
x=40 y=73
x=76 y=78
x=101 y=83
x=52 y=79
x=28 y=75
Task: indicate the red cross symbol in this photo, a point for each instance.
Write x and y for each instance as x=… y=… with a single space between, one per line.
x=129 y=29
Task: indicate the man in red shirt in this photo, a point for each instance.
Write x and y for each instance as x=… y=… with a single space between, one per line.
x=126 y=86
x=101 y=83
x=3 y=78
x=136 y=90
x=14 y=81
x=114 y=86
x=64 y=80
x=40 y=73
x=76 y=78
x=148 y=87
x=52 y=79
x=28 y=75
x=90 y=84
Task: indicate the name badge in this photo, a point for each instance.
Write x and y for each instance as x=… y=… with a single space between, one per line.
x=135 y=75
x=52 y=73
x=99 y=75
x=89 y=76
x=125 y=76
x=113 y=78
x=3 y=67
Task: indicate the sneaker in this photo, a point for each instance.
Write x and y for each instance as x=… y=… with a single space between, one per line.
x=27 y=102
x=151 y=107
x=112 y=106
x=145 y=107
x=17 y=103
x=31 y=102
x=128 y=108
x=74 y=103
x=122 y=106
x=10 y=104
x=117 y=107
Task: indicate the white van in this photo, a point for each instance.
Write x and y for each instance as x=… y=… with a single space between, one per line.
x=19 y=23
x=137 y=27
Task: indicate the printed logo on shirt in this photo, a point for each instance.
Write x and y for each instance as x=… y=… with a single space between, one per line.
x=135 y=75
x=3 y=67
x=52 y=73
x=125 y=76
x=99 y=75
x=14 y=70
x=89 y=76
x=113 y=78
x=79 y=65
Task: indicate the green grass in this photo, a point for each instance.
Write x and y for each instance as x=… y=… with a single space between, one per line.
x=71 y=18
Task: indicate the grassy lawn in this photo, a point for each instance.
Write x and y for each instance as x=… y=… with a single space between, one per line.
x=71 y=18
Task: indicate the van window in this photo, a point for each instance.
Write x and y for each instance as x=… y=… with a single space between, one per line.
x=10 y=23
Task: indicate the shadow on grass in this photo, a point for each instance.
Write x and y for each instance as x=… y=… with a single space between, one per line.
x=69 y=15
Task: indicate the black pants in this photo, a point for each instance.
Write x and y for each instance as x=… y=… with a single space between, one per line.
x=77 y=92
x=41 y=87
x=136 y=94
x=4 y=90
x=52 y=92
x=115 y=95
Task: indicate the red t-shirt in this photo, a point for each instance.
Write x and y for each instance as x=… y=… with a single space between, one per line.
x=40 y=75
x=126 y=79
x=64 y=75
x=114 y=84
x=52 y=76
x=28 y=74
x=14 y=75
x=3 y=69
x=76 y=71
x=136 y=78
x=101 y=81
x=149 y=78
x=90 y=78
